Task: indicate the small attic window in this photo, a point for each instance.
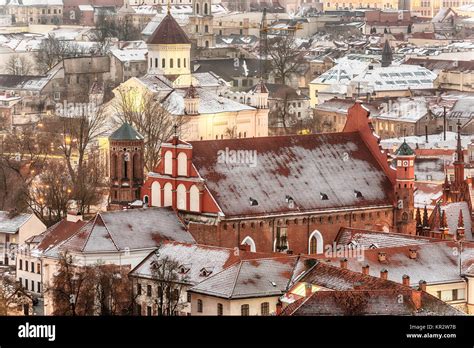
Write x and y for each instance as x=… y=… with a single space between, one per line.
x=183 y=269
x=253 y=202
x=290 y=201
x=358 y=194
x=324 y=196
x=373 y=246
x=273 y=284
x=206 y=271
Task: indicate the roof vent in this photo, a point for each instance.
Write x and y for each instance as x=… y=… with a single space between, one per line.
x=273 y=284
x=206 y=271
x=358 y=194
x=253 y=202
x=324 y=196
x=290 y=201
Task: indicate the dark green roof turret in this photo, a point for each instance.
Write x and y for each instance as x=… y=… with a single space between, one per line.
x=404 y=150
x=126 y=132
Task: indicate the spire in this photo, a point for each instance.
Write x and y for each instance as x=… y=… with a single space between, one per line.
x=425 y=217
x=459 y=163
x=387 y=55
x=459 y=151
x=404 y=150
x=460 y=229
x=419 y=224
x=169 y=7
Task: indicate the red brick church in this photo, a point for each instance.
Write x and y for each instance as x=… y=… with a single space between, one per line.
x=286 y=193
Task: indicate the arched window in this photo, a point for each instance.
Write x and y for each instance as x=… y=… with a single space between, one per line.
x=249 y=241
x=126 y=162
x=315 y=243
x=136 y=166
x=181 y=197
x=182 y=164
x=156 y=62
x=156 y=194
x=168 y=195
x=207 y=44
x=171 y=63
x=206 y=9
x=194 y=198
x=168 y=163
x=179 y=62
x=163 y=63
x=113 y=166
x=146 y=199
x=206 y=28
x=197 y=8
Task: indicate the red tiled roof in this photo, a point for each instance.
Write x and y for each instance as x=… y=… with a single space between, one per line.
x=304 y=167
x=58 y=233
x=169 y=32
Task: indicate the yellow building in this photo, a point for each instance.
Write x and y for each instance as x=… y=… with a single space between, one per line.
x=195 y=99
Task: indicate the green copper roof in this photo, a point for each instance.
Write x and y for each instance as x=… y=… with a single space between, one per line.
x=404 y=150
x=126 y=132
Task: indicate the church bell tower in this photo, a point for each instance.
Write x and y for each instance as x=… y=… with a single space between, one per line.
x=202 y=23
x=126 y=166
x=404 y=190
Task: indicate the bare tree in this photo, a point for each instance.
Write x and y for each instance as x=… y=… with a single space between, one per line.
x=18 y=65
x=52 y=51
x=171 y=280
x=285 y=57
x=108 y=27
x=71 y=291
x=50 y=194
x=14 y=300
x=150 y=118
x=79 y=133
x=282 y=113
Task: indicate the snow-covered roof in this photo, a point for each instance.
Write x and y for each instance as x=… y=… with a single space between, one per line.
x=435 y=262
x=408 y=110
x=128 y=230
x=435 y=141
x=308 y=168
x=427 y=194
x=367 y=239
x=251 y=278
x=343 y=72
x=209 y=103
x=129 y=55
x=12 y=224
x=452 y=214
x=400 y=77
x=32 y=2
x=86 y=8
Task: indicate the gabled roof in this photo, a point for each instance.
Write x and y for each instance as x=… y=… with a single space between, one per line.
x=126 y=132
x=306 y=167
x=367 y=239
x=56 y=235
x=11 y=224
x=193 y=258
x=128 y=230
x=251 y=278
x=169 y=32
x=369 y=302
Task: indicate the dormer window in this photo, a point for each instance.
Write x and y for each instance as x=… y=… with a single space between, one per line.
x=205 y=272
x=358 y=194
x=183 y=269
x=290 y=201
x=324 y=196
x=253 y=202
x=373 y=246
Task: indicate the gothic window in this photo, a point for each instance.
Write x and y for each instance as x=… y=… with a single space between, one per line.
x=194 y=198
x=113 y=166
x=315 y=243
x=126 y=162
x=136 y=166
x=281 y=242
x=250 y=242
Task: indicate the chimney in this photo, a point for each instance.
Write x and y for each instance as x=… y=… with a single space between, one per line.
x=416 y=298
x=278 y=307
x=308 y=289
x=365 y=269
x=413 y=254
x=382 y=256
x=384 y=274
x=344 y=263
x=73 y=216
x=422 y=286
x=406 y=280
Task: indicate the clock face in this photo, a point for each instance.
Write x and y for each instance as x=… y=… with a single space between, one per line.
x=405 y=163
